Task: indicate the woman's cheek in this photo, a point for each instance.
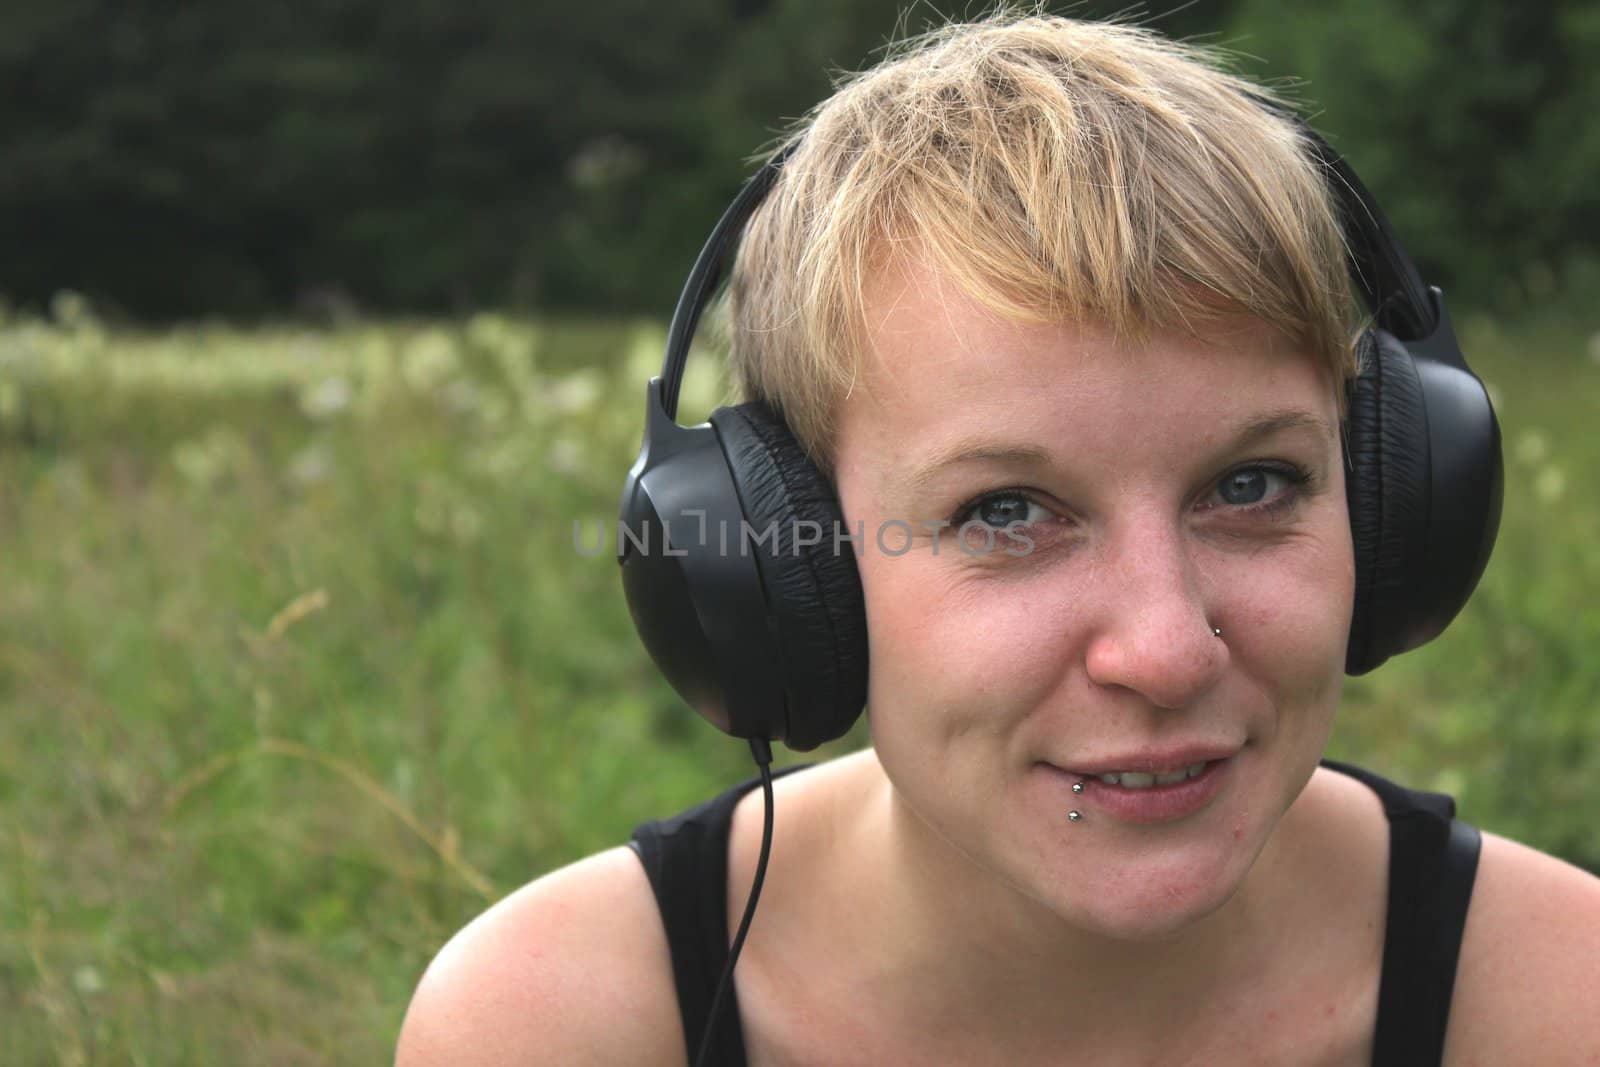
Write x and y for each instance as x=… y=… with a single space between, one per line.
x=1306 y=581
x=914 y=625
x=950 y=639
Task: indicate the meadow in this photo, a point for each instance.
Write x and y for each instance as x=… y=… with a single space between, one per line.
x=300 y=669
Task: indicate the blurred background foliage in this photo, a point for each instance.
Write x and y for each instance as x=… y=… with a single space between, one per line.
x=324 y=324
x=244 y=158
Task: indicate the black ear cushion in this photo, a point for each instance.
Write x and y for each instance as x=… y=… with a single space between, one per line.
x=1387 y=484
x=815 y=595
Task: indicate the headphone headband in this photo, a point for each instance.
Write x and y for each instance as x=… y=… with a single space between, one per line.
x=1383 y=273
x=1385 y=276
x=707 y=272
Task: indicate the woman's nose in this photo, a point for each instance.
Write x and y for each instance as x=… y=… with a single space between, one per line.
x=1150 y=628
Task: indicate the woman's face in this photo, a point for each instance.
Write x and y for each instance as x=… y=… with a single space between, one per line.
x=1167 y=490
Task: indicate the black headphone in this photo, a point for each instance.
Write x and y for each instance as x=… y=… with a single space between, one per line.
x=773 y=646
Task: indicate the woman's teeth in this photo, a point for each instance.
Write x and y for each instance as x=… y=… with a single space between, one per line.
x=1140 y=780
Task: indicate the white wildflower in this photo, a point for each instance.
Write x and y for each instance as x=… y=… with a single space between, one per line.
x=87 y=980
x=576 y=393
x=1532 y=448
x=428 y=360
x=311 y=465
x=327 y=399
x=565 y=456
x=461 y=396
x=1551 y=484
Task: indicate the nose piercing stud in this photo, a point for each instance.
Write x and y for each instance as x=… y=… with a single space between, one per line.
x=1216 y=632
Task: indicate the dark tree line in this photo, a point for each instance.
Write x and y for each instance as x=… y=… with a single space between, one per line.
x=246 y=158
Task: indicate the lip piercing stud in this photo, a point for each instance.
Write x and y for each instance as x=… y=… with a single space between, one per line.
x=1077 y=787
x=1074 y=816
x=1216 y=632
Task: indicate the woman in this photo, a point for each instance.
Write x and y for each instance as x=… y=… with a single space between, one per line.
x=1059 y=312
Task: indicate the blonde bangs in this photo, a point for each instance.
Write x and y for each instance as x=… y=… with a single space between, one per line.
x=1056 y=171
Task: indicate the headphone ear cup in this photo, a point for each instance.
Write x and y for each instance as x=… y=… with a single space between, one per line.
x=1388 y=474
x=813 y=591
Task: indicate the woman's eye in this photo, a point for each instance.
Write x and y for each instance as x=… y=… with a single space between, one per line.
x=1261 y=489
x=1000 y=510
x=1247 y=487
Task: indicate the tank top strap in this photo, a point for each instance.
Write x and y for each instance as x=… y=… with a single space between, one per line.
x=1433 y=861
x=686 y=860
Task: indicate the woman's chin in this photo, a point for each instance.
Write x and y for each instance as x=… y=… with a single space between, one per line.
x=1151 y=917
x=1152 y=902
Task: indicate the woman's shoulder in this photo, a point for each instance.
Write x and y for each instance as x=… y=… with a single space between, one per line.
x=1528 y=980
x=572 y=968
x=1528 y=975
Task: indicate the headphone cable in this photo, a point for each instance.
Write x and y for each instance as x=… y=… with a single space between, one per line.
x=763 y=754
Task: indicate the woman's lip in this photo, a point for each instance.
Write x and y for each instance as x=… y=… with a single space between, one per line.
x=1156 y=803
x=1152 y=762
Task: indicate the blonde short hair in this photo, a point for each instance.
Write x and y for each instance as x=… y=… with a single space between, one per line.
x=1057 y=170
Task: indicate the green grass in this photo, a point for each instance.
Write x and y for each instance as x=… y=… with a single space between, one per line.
x=299 y=669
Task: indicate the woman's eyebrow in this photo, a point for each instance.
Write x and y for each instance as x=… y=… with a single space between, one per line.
x=970 y=450
x=1275 y=422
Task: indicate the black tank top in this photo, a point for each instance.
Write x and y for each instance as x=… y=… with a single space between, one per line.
x=1433 y=859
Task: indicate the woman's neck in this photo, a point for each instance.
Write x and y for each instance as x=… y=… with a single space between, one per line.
x=976 y=952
